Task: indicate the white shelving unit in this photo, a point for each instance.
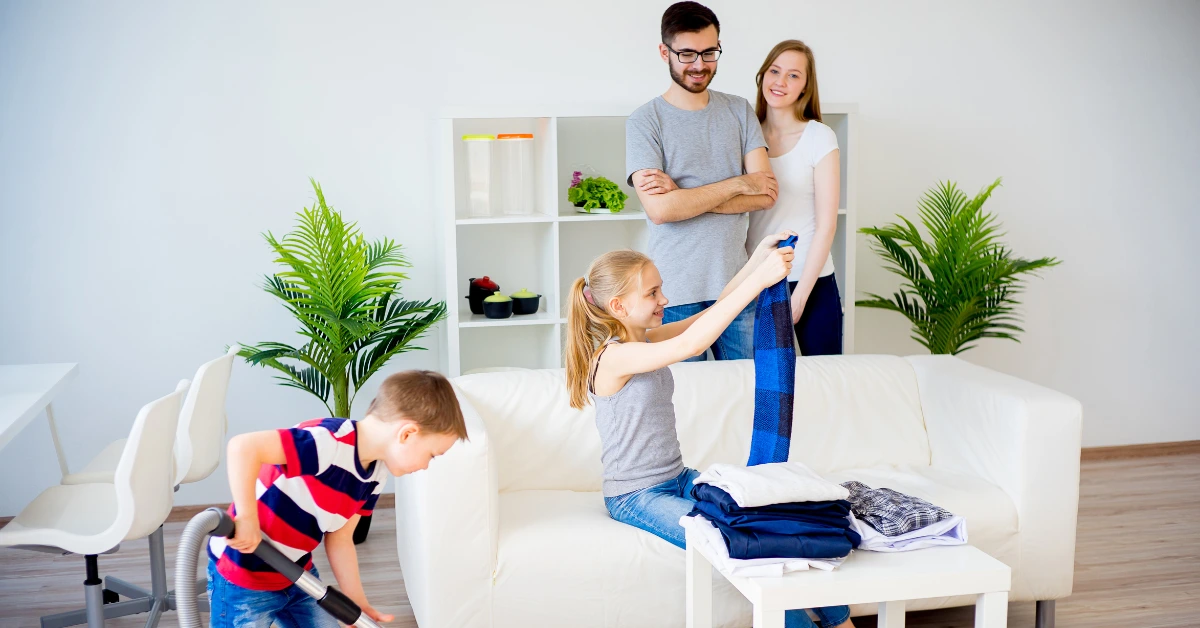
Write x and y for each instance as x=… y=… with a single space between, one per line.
x=545 y=251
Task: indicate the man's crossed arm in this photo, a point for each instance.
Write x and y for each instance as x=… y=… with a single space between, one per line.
x=666 y=202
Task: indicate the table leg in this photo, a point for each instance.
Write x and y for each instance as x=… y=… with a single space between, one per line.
x=891 y=614
x=991 y=610
x=699 y=589
x=767 y=619
x=62 y=459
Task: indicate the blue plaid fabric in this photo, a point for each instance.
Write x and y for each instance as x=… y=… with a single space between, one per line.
x=774 y=373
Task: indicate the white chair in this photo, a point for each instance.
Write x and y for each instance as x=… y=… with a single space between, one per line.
x=199 y=442
x=94 y=518
x=201 y=434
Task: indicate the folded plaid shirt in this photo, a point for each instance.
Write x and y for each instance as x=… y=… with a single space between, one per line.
x=890 y=512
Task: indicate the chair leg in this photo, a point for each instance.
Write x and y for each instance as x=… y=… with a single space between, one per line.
x=121 y=587
x=96 y=611
x=154 y=602
x=93 y=595
x=1045 y=614
x=158 y=566
x=156 y=612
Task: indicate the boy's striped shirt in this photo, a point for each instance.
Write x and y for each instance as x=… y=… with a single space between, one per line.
x=320 y=487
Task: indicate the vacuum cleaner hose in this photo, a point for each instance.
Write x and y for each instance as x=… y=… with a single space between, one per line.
x=217 y=521
x=195 y=535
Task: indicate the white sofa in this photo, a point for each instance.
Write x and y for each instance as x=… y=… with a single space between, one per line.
x=509 y=529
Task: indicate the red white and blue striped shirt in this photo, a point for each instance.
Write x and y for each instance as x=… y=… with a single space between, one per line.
x=316 y=491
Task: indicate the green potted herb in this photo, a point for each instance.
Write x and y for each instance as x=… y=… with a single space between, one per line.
x=595 y=193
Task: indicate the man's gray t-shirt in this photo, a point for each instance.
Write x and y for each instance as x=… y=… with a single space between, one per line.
x=698 y=256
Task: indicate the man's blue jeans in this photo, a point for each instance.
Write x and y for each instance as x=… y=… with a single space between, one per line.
x=657 y=510
x=735 y=343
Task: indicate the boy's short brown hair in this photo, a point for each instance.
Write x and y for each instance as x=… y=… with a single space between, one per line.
x=423 y=397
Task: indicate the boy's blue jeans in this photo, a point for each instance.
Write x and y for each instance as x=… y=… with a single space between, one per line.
x=657 y=510
x=236 y=607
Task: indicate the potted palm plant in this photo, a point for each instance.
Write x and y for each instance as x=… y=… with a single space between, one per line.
x=345 y=294
x=962 y=284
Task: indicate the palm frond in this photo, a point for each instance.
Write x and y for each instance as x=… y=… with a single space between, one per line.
x=406 y=321
x=959 y=285
x=341 y=289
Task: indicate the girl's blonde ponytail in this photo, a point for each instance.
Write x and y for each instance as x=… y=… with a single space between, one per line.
x=589 y=324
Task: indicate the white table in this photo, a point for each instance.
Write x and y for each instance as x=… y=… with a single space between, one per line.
x=888 y=579
x=25 y=391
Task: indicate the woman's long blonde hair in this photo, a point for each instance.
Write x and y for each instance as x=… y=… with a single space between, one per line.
x=589 y=324
x=808 y=105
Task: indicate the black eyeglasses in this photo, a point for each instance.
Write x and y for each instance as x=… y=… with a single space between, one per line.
x=689 y=56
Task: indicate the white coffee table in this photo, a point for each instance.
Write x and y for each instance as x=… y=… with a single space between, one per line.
x=865 y=578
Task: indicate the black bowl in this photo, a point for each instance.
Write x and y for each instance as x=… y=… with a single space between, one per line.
x=498 y=309
x=526 y=305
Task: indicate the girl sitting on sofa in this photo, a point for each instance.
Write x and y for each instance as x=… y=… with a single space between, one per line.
x=618 y=354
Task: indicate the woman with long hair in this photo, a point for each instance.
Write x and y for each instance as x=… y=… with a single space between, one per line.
x=805 y=158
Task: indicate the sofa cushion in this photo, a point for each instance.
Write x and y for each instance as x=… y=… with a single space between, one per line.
x=563 y=562
x=539 y=440
x=850 y=412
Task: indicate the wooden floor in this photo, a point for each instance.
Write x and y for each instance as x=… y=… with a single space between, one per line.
x=1137 y=561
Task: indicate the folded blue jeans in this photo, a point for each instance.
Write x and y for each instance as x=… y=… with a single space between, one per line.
x=659 y=508
x=804 y=529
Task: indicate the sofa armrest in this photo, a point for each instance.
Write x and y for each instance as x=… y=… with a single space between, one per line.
x=1021 y=437
x=446 y=530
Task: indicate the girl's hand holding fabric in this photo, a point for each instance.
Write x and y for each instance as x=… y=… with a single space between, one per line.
x=774 y=268
x=769 y=244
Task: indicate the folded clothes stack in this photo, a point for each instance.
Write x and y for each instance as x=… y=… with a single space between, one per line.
x=890 y=521
x=712 y=545
x=774 y=511
x=818 y=529
x=772 y=519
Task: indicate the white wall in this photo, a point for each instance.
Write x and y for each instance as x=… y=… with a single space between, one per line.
x=144 y=147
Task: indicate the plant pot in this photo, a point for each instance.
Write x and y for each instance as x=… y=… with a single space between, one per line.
x=498 y=309
x=360 y=531
x=526 y=305
x=476 y=295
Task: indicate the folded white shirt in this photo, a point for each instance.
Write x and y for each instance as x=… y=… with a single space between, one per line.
x=709 y=541
x=952 y=531
x=772 y=483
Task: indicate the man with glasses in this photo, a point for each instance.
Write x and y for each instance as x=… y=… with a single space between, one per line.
x=698 y=161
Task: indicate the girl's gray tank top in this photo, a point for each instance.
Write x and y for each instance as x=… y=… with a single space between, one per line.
x=639 y=444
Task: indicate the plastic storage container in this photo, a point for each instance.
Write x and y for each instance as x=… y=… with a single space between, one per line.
x=480 y=184
x=513 y=174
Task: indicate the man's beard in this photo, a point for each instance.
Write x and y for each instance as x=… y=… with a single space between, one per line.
x=681 y=80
